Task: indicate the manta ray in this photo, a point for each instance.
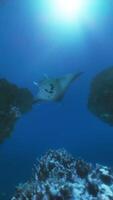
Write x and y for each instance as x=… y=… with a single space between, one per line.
x=54 y=89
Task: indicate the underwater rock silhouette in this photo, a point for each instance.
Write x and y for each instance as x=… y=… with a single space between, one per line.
x=100 y=101
x=14 y=102
x=57 y=176
x=54 y=89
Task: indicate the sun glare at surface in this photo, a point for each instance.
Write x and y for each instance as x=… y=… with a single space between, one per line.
x=68 y=9
x=67 y=19
x=72 y=11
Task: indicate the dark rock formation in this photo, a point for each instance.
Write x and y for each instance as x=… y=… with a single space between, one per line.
x=14 y=102
x=100 y=101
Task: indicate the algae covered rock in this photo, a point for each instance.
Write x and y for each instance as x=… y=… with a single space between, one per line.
x=100 y=101
x=14 y=102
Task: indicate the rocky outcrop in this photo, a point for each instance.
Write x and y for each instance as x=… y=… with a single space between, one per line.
x=100 y=101
x=14 y=102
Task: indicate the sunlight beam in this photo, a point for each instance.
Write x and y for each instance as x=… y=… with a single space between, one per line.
x=68 y=10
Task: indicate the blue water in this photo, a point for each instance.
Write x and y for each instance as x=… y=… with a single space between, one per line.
x=27 y=51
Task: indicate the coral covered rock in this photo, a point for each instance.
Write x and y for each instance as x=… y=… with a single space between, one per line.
x=100 y=101
x=57 y=177
x=14 y=102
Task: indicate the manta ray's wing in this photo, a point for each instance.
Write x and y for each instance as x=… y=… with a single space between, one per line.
x=64 y=82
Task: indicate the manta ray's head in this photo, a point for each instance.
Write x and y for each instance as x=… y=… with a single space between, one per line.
x=47 y=89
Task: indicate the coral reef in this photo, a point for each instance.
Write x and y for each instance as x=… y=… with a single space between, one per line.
x=100 y=101
x=59 y=176
x=14 y=102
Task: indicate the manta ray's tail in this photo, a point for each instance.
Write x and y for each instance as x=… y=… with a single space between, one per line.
x=36 y=101
x=76 y=76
